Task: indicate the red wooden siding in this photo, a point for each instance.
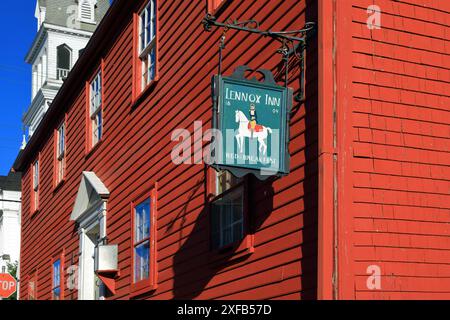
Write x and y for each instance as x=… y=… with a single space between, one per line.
x=382 y=189
x=400 y=165
x=135 y=152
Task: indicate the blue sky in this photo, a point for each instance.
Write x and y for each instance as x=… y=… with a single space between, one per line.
x=17 y=33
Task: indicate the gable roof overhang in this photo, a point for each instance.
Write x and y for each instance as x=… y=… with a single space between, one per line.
x=91 y=193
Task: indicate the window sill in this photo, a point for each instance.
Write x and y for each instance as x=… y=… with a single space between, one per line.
x=234 y=251
x=141 y=288
x=58 y=185
x=216 y=12
x=87 y=21
x=144 y=94
x=94 y=148
x=33 y=213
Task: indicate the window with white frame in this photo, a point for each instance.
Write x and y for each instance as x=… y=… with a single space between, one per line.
x=142 y=241
x=63 y=61
x=60 y=152
x=95 y=111
x=147 y=43
x=227 y=211
x=56 y=280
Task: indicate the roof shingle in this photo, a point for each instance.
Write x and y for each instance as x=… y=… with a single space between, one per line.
x=11 y=182
x=61 y=13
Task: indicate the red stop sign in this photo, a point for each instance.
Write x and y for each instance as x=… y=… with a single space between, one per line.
x=8 y=285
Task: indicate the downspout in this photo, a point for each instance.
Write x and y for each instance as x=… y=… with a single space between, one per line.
x=335 y=163
x=327 y=214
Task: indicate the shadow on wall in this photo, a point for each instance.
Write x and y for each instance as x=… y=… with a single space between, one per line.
x=307 y=111
x=193 y=269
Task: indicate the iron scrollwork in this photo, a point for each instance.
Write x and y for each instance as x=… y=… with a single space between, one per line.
x=293 y=43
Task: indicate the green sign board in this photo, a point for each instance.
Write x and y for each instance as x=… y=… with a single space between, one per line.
x=252 y=118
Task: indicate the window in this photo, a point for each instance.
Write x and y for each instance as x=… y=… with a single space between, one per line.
x=95 y=109
x=86 y=11
x=32 y=286
x=144 y=243
x=35 y=186
x=227 y=211
x=146 y=46
x=63 y=61
x=57 y=280
x=60 y=153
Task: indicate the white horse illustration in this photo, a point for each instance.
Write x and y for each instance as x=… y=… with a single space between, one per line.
x=245 y=132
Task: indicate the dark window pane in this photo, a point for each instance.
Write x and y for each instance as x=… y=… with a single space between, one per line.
x=237 y=231
x=63 y=57
x=227 y=219
x=100 y=124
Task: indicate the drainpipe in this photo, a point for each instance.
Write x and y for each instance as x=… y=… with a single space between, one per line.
x=327 y=273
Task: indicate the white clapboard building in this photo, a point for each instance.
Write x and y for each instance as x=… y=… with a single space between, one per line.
x=64 y=28
x=10 y=203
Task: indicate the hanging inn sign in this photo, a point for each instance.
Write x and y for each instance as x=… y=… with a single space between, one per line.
x=251 y=116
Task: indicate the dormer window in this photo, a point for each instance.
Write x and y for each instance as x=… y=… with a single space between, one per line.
x=86 y=11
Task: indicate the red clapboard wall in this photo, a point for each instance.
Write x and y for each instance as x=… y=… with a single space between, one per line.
x=135 y=153
x=368 y=188
x=396 y=198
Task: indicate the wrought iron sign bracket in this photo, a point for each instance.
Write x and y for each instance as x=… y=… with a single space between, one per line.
x=293 y=43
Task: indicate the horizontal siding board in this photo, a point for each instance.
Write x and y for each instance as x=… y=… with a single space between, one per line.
x=401 y=156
